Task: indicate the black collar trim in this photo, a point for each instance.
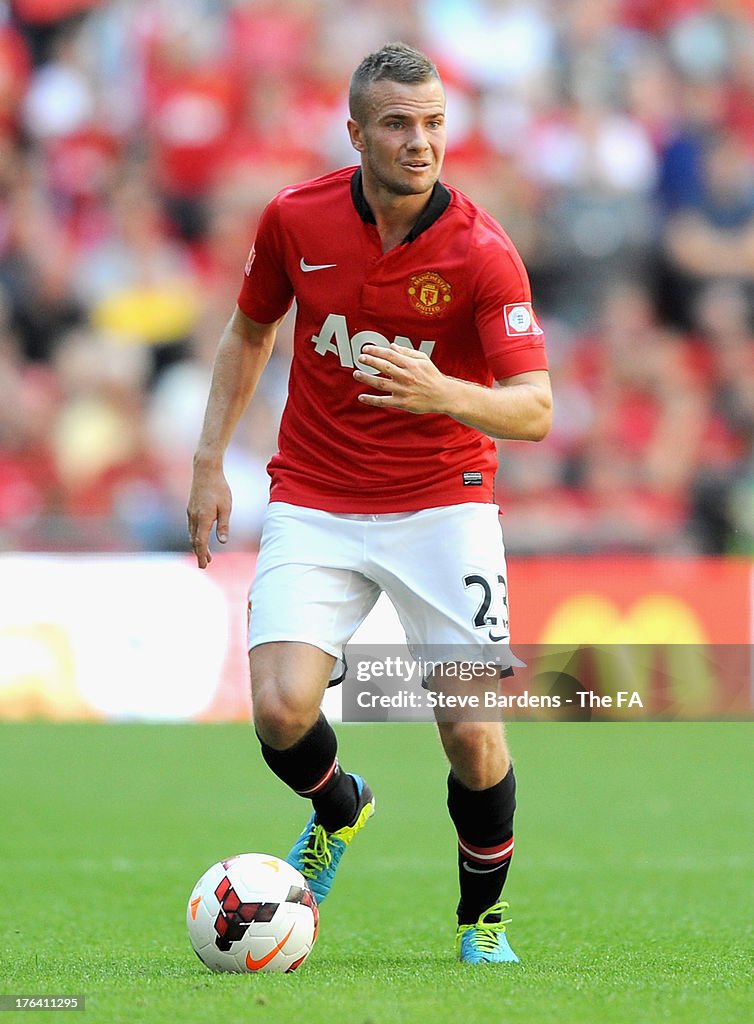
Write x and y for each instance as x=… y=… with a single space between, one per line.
x=438 y=203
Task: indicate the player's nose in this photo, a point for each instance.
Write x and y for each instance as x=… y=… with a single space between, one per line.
x=418 y=140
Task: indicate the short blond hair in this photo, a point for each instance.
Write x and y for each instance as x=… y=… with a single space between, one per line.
x=394 y=62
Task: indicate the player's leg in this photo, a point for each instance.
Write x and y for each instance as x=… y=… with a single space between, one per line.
x=305 y=603
x=481 y=803
x=298 y=743
x=300 y=746
x=454 y=609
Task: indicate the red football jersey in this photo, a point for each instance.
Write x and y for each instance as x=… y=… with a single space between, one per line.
x=455 y=289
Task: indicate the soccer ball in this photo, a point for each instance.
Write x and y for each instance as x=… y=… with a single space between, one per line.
x=252 y=912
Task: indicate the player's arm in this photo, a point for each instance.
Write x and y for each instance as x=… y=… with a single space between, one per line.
x=517 y=408
x=242 y=354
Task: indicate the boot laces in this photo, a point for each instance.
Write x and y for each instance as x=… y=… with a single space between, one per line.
x=485 y=932
x=317 y=856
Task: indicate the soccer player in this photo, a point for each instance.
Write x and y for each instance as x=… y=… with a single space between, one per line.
x=415 y=345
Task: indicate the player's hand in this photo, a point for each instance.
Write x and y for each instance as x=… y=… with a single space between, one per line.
x=209 y=503
x=408 y=380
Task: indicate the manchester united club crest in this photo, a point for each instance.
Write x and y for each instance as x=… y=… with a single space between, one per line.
x=429 y=293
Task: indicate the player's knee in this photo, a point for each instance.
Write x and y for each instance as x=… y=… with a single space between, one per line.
x=281 y=718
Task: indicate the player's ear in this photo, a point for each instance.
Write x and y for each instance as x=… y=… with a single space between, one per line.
x=355 y=135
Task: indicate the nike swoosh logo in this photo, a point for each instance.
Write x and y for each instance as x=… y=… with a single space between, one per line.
x=309 y=267
x=479 y=871
x=497 y=639
x=257 y=965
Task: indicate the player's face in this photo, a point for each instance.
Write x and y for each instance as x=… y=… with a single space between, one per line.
x=402 y=139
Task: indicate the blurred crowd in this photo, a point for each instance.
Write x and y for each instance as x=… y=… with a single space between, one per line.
x=140 y=139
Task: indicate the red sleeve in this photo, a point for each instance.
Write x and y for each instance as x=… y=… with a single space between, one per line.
x=512 y=340
x=266 y=291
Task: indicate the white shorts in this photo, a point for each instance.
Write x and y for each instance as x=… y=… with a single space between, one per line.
x=319 y=575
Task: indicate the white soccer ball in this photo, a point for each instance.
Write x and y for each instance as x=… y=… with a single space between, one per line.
x=252 y=912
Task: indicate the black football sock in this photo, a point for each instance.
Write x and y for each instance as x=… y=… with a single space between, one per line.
x=310 y=767
x=484 y=823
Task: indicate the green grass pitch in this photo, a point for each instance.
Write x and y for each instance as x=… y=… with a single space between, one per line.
x=632 y=889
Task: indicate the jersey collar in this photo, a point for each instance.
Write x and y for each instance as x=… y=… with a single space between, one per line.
x=437 y=205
